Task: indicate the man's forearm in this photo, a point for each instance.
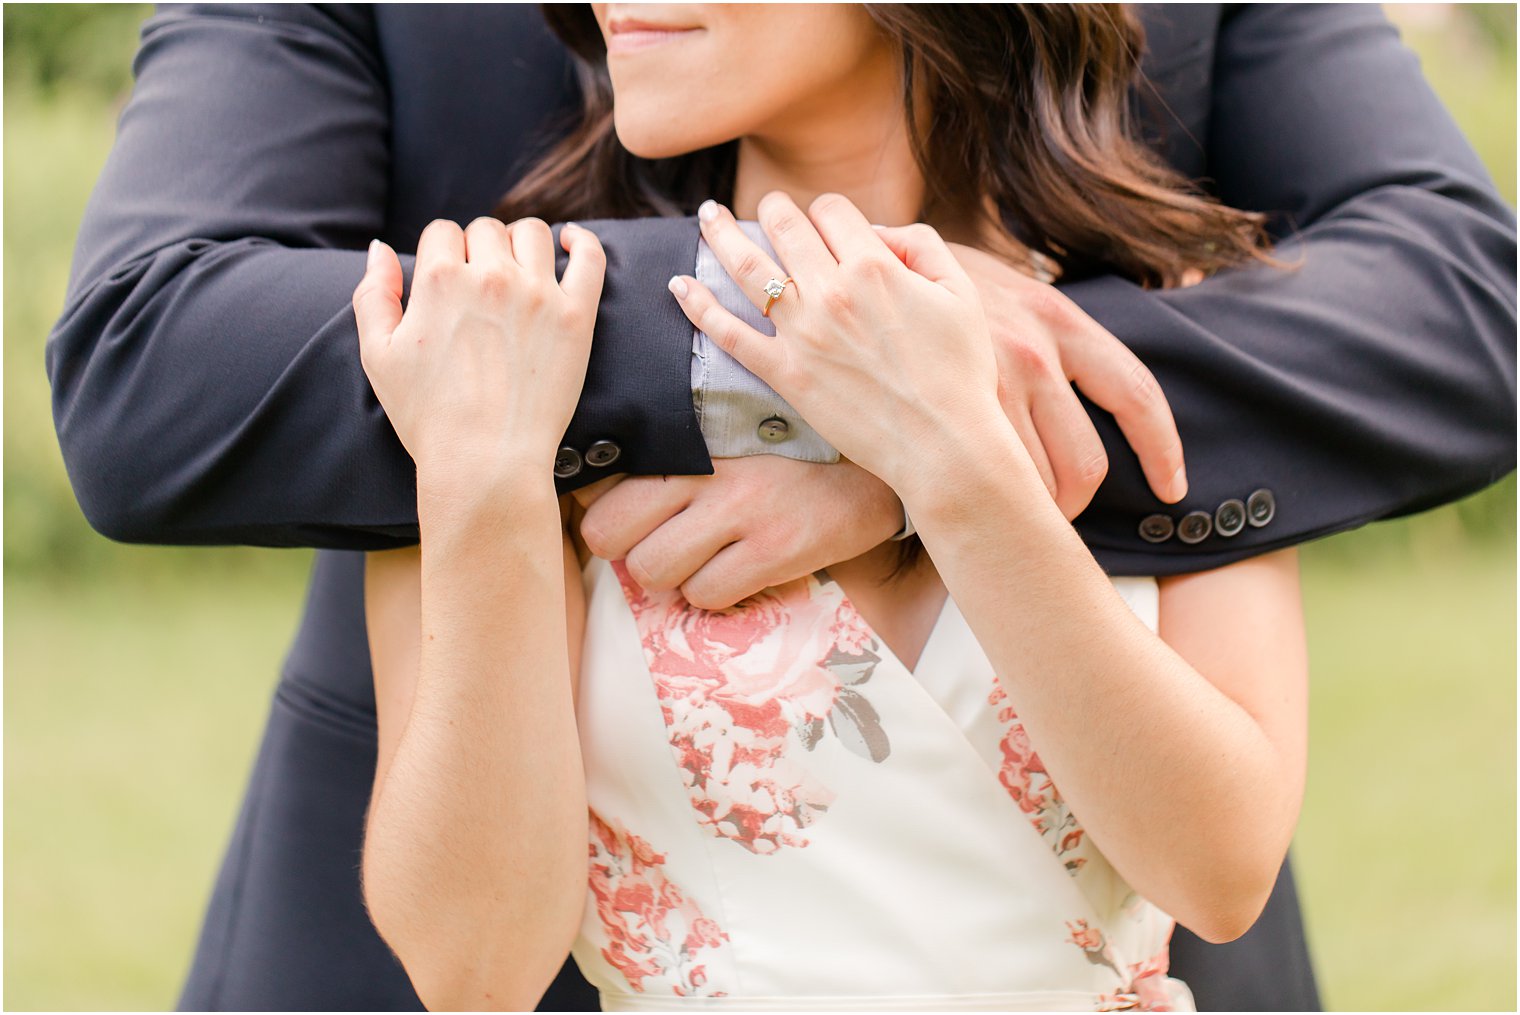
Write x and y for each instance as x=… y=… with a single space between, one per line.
x=1373 y=376
x=194 y=408
x=205 y=371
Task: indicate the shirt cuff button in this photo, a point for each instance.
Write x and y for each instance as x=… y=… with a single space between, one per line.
x=773 y=430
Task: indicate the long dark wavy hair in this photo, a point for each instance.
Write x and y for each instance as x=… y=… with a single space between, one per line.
x=1028 y=120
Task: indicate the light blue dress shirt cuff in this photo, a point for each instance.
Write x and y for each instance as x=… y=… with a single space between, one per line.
x=739 y=413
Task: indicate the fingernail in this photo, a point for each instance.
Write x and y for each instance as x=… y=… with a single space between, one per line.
x=677 y=287
x=571 y=225
x=708 y=211
x=878 y=228
x=1179 y=483
x=374 y=254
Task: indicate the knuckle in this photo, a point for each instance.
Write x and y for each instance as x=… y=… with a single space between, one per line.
x=727 y=336
x=639 y=571
x=533 y=227
x=921 y=235
x=1027 y=359
x=1092 y=468
x=750 y=265
x=780 y=218
x=1144 y=391
x=783 y=223
x=443 y=226
x=437 y=273
x=709 y=318
x=363 y=293
x=534 y=298
x=588 y=249
x=486 y=224
x=701 y=592
x=1048 y=305
x=765 y=545
x=775 y=203
x=836 y=300
x=494 y=284
x=873 y=268
x=718 y=327
x=828 y=204
x=596 y=538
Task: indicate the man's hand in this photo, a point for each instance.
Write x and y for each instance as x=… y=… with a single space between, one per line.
x=765 y=520
x=756 y=522
x=1044 y=344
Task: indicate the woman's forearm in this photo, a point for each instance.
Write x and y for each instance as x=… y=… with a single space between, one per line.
x=474 y=862
x=1179 y=786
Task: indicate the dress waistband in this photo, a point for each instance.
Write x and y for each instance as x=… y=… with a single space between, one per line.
x=1181 y=999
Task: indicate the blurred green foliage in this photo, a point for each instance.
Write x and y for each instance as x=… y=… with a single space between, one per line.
x=67 y=71
x=1405 y=853
x=137 y=677
x=74 y=47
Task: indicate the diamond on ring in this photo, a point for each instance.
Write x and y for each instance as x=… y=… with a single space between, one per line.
x=773 y=290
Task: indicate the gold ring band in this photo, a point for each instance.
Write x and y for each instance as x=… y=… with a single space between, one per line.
x=773 y=290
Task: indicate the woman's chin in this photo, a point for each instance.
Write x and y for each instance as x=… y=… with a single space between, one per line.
x=647 y=142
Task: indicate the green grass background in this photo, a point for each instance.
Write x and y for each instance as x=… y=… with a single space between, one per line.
x=137 y=679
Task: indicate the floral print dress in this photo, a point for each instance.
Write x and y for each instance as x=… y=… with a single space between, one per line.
x=784 y=817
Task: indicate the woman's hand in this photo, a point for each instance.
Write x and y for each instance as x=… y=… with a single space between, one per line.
x=483 y=370
x=881 y=343
x=479 y=774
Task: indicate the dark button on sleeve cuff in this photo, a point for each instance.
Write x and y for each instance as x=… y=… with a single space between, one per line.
x=1230 y=518
x=1157 y=528
x=1261 y=508
x=602 y=454
x=567 y=463
x=1195 y=527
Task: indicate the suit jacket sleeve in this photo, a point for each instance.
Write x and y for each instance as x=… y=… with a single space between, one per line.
x=205 y=371
x=1376 y=375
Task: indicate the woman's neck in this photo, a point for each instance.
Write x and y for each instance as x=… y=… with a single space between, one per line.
x=874 y=169
x=868 y=159
x=852 y=141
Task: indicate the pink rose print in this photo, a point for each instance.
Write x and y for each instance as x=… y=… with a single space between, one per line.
x=1023 y=775
x=654 y=932
x=1148 y=982
x=741 y=688
x=1089 y=939
x=1145 y=985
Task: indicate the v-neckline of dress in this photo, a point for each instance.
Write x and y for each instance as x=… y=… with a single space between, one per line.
x=936 y=632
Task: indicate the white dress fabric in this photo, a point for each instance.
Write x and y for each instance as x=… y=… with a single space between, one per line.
x=783 y=817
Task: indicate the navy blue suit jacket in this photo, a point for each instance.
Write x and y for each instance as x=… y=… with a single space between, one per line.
x=207 y=387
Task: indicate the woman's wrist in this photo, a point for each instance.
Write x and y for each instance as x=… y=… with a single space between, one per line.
x=456 y=499
x=952 y=478
x=944 y=451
